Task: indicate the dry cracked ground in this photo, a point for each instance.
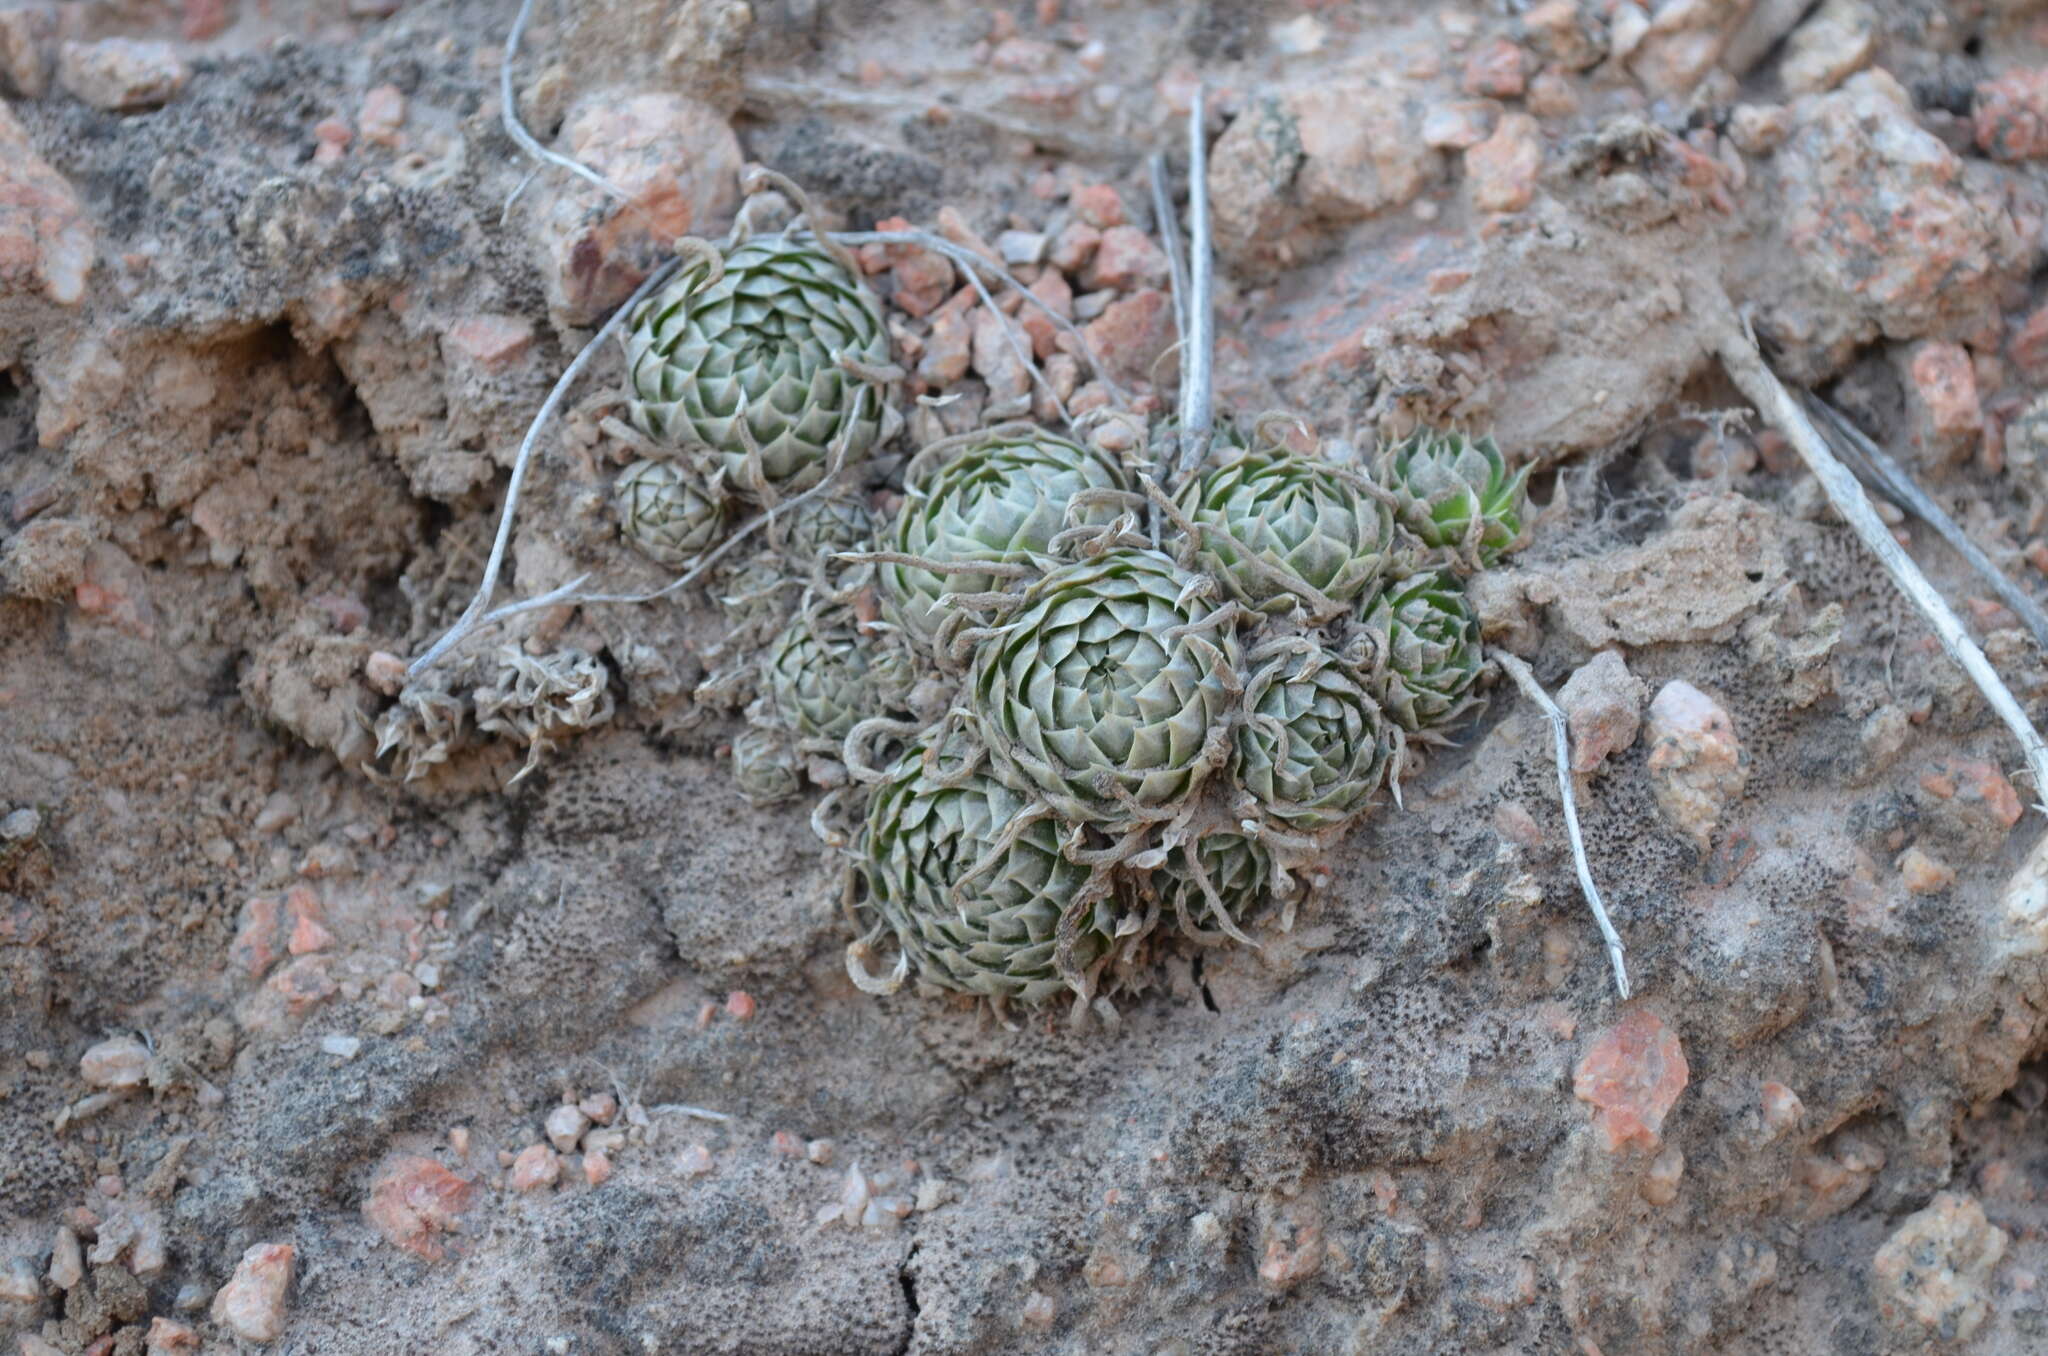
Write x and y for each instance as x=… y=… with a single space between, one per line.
x=294 y=1057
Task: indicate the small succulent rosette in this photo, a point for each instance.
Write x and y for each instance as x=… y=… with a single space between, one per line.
x=765 y=766
x=1213 y=887
x=1314 y=745
x=1457 y=492
x=1285 y=532
x=972 y=885
x=1107 y=690
x=1429 y=650
x=998 y=497
x=666 y=513
x=770 y=353
x=824 y=677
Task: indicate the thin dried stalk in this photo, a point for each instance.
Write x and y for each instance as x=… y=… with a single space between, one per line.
x=1754 y=378
x=1198 y=349
x=514 y=128
x=1561 y=733
x=1877 y=467
x=1169 y=236
x=470 y=618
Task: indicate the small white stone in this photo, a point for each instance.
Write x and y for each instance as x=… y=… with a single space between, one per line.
x=23 y=823
x=694 y=1161
x=565 y=1126
x=853 y=1194
x=342 y=1047
x=820 y=1151
x=121 y=74
x=278 y=811
x=428 y=974
x=67 y=1260
x=122 y=1062
x=1021 y=247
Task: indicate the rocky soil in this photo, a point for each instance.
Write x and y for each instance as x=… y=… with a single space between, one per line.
x=296 y=1053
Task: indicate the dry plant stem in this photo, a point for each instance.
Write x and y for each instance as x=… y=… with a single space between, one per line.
x=1169 y=236
x=1754 y=378
x=1198 y=349
x=469 y=620
x=1561 y=731
x=571 y=594
x=509 y=111
x=1895 y=483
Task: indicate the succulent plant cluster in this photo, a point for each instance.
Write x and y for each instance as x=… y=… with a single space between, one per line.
x=1064 y=703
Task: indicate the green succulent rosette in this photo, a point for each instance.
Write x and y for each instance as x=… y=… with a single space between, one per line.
x=765 y=766
x=1457 y=491
x=1099 y=692
x=1314 y=746
x=824 y=677
x=1430 y=653
x=752 y=362
x=666 y=513
x=1239 y=871
x=829 y=524
x=973 y=910
x=1000 y=497
x=1268 y=516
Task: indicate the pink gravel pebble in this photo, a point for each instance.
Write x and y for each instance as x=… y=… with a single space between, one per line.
x=252 y=1303
x=537 y=1166
x=1633 y=1072
x=414 y=1199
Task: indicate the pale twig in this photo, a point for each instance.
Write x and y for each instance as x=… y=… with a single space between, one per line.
x=571 y=594
x=1754 y=378
x=971 y=262
x=1892 y=480
x=469 y=619
x=1169 y=236
x=509 y=111
x=1561 y=731
x=1198 y=352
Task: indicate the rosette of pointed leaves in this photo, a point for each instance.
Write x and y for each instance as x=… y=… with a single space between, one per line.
x=1314 y=745
x=1000 y=497
x=1268 y=518
x=1100 y=692
x=753 y=362
x=1239 y=871
x=829 y=524
x=825 y=678
x=1429 y=649
x=1457 y=491
x=973 y=899
x=764 y=765
x=666 y=513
